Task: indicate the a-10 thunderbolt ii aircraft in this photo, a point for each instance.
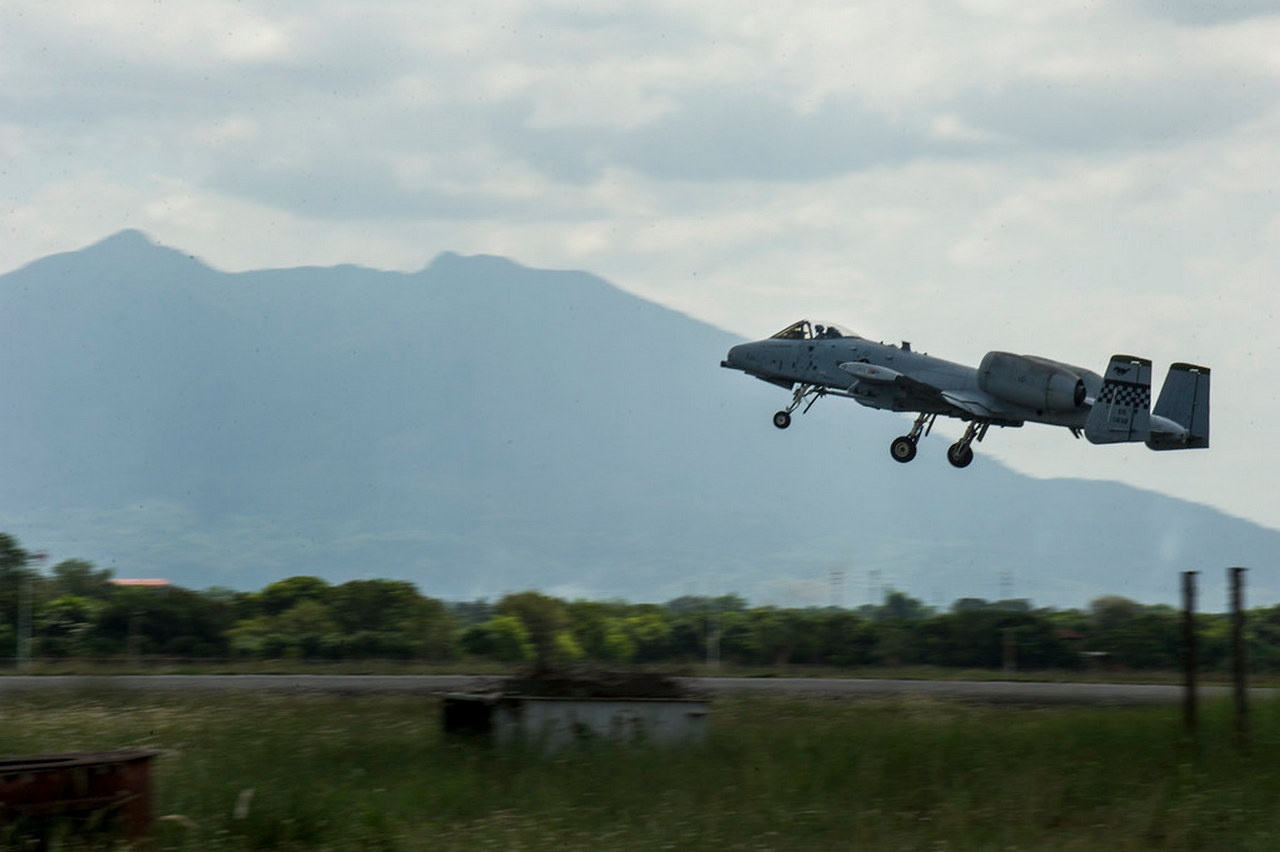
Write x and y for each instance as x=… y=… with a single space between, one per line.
x=1005 y=390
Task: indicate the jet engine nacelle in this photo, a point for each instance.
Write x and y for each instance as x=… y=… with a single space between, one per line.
x=1037 y=383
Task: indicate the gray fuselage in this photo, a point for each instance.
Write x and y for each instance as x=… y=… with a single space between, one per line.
x=907 y=380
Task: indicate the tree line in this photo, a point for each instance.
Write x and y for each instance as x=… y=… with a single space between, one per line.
x=77 y=610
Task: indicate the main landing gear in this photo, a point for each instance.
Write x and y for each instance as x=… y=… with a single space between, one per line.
x=783 y=418
x=903 y=449
x=960 y=454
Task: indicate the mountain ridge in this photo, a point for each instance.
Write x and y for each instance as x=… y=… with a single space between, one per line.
x=480 y=427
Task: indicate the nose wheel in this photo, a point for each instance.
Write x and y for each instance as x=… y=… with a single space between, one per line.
x=782 y=419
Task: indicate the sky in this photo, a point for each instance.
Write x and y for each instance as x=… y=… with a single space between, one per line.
x=1065 y=179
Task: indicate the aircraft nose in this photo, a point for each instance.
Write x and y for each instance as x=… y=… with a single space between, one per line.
x=739 y=358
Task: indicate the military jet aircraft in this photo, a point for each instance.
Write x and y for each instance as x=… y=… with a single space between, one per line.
x=814 y=361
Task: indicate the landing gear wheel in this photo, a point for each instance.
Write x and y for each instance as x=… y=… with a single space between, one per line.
x=960 y=455
x=782 y=419
x=902 y=449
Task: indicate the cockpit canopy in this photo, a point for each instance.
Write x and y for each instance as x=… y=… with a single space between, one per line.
x=802 y=330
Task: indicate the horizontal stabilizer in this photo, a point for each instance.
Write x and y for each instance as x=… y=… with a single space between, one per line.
x=1122 y=410
x=1184 y=406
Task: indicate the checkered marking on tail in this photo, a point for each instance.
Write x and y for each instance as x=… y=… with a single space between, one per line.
x=1125 y=393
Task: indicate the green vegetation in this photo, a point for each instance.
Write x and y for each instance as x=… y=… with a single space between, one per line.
x=76 y=612
x=261 y=771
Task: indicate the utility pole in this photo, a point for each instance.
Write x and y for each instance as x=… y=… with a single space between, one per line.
x=1238 y=657
x=26 y=595
x=1006 y=585
x=1189 y=662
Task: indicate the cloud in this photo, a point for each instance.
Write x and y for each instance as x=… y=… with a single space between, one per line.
x=724 y=135
x=897 y=167
x=1199 y=13
x=1080 y=116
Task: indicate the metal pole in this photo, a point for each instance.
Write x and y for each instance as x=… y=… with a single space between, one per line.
x=1238 y=657
x=1189 y=663
x=25 y=604
x=24 y=624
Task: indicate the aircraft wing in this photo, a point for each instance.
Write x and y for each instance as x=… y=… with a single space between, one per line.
x=911 y=394
x=972 y=404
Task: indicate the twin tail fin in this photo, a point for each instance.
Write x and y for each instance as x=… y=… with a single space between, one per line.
x=1184 y=406
x=1122 y=413
x=1122 y=410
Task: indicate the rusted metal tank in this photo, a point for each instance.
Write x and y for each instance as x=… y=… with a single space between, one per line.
x=47 y=796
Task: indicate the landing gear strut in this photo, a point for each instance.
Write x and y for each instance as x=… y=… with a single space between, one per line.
x=960 y=454
x=903 y=449
x=783 y=418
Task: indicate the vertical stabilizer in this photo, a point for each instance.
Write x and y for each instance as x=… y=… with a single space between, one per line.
x=1122 y=410
x=1181 y=420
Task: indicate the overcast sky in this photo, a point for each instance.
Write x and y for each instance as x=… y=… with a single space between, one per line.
x=1065 y=179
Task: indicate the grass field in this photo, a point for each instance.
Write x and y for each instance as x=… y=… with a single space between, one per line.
x=374 y=772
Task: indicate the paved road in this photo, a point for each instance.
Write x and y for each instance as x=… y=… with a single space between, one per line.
x=997 y=692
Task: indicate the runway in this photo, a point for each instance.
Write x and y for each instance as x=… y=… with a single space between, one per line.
x=987 y=692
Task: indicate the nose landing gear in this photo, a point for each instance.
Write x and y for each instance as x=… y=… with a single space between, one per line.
x=782 y=419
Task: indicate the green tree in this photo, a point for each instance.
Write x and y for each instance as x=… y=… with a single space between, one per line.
x=975 y=637
x=690 y=632
x=544 y=618
x=386 y=605
x=392 y=619
x=600 y=630
x=847 y=639
x=467 y=613
x=649 y=635
x=771 y=635
x=739 y=638
x=169 y=620
x=1262 y=632
x=1136 y=636
x=14 y=575
x=309 y=627
x=284 y=594
x=503 y=637
x=78 y=578
x=902 y=607
x=1111 y=611
x=65 y=626
x=702 y=603
x=432 y=629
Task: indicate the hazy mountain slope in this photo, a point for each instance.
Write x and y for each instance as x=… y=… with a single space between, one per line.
x=479 y=427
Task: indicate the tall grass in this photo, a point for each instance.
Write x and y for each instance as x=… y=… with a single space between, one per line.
x=254 y=771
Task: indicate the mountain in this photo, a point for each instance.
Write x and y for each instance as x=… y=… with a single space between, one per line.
x=480 y=427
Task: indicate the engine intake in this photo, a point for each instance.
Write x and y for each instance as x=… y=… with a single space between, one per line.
x=1037 y=383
